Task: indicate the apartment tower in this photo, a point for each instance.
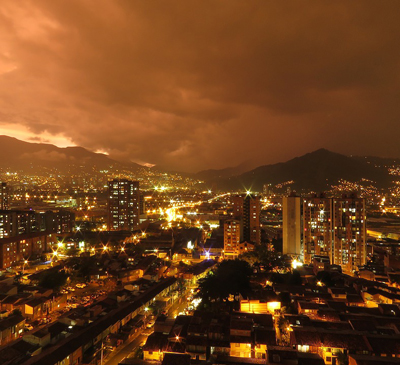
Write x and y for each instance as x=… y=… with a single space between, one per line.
x=247 y=209
x=123 y=205
x=232 y=235
x=320 y=226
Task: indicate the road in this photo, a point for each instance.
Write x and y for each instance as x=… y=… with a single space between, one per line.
x=129 y=348
x=178 y=307
x=126 y=349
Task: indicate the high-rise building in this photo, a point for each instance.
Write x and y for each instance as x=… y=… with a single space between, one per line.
x=267 y=190
x=58 y=221
x=3 y=196
x=292 y=225
x=123 y=204
x=247 y=209
x=317 y=227
x=232 y=234
x=17 y=222
x=349 y=232
x=320 y=226
x=237 y=210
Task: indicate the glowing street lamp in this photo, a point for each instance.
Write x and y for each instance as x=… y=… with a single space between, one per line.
x=23 y=266
x=296 y=264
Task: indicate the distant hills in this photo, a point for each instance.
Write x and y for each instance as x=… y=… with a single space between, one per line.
x=226 y=172
x=315 y=171
x=20 y=155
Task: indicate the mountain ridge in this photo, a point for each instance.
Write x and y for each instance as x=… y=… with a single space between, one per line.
x=317 y=170
x=19 y=154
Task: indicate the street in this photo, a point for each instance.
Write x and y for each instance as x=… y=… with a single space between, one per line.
x=126 y=349
x=129 y=348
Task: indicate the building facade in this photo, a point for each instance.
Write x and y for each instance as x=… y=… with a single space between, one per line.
x=3 y=196
x=123 y=205
x=247 y=209
x=232 y=234
x=349 y=232
x=317 y=227
x=14 y=223
x=292 y=225
x=320 y=226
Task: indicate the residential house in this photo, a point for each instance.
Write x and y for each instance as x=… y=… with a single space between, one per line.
x=34 y=308
x=241 y=336
x=11 y=328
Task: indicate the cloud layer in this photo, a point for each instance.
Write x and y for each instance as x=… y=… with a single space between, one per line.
x=204 y=84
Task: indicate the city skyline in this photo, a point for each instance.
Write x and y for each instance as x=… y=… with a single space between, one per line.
x=202 y=85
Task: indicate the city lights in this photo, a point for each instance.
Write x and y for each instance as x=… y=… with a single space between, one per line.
x=296 y=264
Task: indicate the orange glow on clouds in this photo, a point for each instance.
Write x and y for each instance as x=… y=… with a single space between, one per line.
x=22 y=133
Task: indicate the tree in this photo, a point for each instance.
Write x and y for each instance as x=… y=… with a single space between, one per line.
x=226 y=283
x=86 y=265
x=208 y=289
x=285 y=298
x=326 y=278
x=295 y=278
x=264 y=255
x=53 y=280
x=283 y=325
x=181 y=285
x=342 y=358
x=17 y=312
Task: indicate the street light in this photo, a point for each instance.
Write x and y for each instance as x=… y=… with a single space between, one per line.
x=23 y=266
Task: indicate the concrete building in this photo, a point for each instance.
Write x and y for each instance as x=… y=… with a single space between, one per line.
x=16 y=222
x=3 y=196
x=317 y=227
x=292 y=225
x=20 y=222
x=18 y=248
x=349 y=232
x=331 y=227
x=123 y=205
x=247 y=209
x=232 y=234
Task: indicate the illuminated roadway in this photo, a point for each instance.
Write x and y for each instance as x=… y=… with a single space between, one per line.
x=171 y=212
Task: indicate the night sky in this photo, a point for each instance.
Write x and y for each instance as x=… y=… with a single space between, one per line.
x=191 y=85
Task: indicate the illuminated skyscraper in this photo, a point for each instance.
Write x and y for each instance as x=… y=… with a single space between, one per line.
x=3 y=196
x=349 y=232
x=247 y=209
x=292 y=226
x=232 y=233
x=319 y=226
x=123 y=204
